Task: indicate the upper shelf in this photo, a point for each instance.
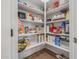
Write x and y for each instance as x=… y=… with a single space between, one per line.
x=57 y=21
x=64 y=6
x=33 y=22
x=25 y=7
x=60 y=34
x=29 y=34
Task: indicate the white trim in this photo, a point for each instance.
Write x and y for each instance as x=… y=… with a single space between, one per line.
x=29 y=34
x=57 y=21
x=58 y=34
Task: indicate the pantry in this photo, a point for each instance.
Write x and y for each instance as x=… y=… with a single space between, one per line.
x=37 y=25
x=37 y=32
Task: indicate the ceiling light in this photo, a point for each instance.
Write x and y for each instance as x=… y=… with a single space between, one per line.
x=44 y=1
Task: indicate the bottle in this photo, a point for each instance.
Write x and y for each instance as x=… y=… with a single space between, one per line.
x=52 y=28
x=55 y=3
x=29 y=17
x=67 y=28
x=59 y=29
x=47 y=28
x=26 y=29
x=38 y=39
x=46 y=38
x=22 y=28
x=67 y=15
x=57 y=40
x=63 y=27
x=37 y=28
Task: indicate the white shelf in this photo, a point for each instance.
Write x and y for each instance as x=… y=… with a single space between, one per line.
x=58 y=34
x=29 y=34
x=57 y=21
x=27 y=8
x=34 y=47
x=35 y=44
x=66 y=5
x=24 y=20
x=62 y=47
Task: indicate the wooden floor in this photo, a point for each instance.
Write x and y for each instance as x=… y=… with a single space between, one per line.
x=43 y=54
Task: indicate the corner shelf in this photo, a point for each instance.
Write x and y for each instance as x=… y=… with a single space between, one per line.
x=56 y=21
x=39 y=46
x=31 y=49
x=62 y=47
x=29 y=34
x=27 y=8
x=57 y=34
x=34 y=45
x=24 y=20
x=64 y=6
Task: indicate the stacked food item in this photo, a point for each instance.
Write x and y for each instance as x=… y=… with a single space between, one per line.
x=61 y=16
x=26 y=3
x=56 y=3
x=28 y=41
x=30 y=29
x=58 y=23
x=58 y=40
x=21 y=45
x=25 y=28
x=62 y=28
x=29 y=16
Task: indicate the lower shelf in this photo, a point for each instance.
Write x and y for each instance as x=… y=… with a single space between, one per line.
x=35 y=44
x=29 y=34
x=30 y=50
x=34 y=47
x=62 y=47
x=58 y=34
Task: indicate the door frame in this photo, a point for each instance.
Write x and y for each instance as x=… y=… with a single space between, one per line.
x=73 y=28
x=9 y=49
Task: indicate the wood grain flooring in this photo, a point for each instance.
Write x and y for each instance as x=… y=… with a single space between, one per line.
x=43 y=54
